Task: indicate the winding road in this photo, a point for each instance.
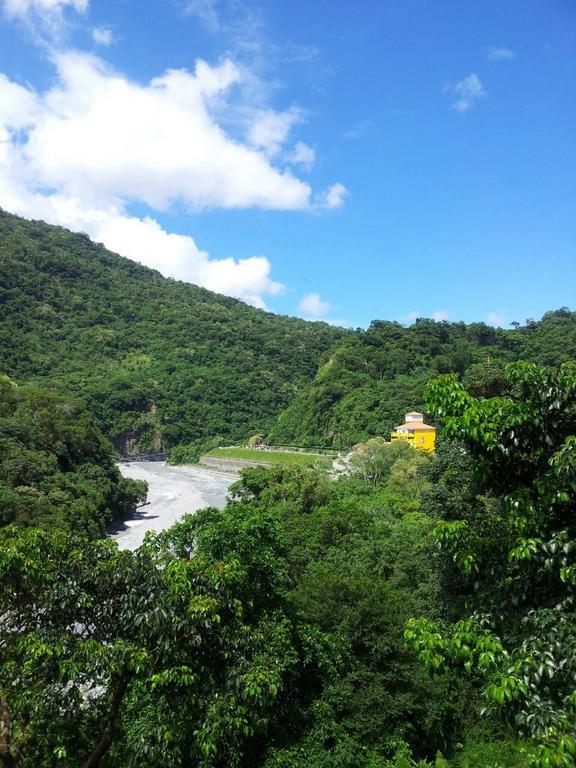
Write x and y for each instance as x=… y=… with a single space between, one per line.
x=172 y=492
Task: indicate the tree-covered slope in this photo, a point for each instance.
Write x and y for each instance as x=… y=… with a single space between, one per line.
x=160 y=362
x=57 y=470
x=372 y=378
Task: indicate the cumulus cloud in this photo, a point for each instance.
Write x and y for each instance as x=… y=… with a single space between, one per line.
x=312 y=305
x=270 y=129
x=441 y=314
x=501 y=54
x=82 y=152
x=468 y=92
x=102 y=36
x=101 y=136
x=19 y=107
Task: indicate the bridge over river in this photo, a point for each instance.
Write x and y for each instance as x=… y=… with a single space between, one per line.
x=172 y=492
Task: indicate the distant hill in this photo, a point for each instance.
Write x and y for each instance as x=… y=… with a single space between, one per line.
x=159 y=362
x=372 y=378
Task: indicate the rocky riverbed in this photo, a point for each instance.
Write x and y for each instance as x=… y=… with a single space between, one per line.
x=172 y=493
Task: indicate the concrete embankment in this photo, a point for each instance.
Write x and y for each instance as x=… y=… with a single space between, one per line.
x=232 y=466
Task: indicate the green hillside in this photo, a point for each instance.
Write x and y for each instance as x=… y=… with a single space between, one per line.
x=159 y=362
x=164 y=363
x=372 y=378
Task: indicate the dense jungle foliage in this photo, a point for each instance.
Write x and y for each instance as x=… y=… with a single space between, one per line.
x=513 y=550
x=159 y=362
x=268 y=634
x=373 y=377
x=293 y=628
x=56 y=468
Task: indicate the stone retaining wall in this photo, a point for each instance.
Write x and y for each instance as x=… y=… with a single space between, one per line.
x=233 y=466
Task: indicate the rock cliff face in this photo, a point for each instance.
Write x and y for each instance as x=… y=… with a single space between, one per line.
x=145 y=437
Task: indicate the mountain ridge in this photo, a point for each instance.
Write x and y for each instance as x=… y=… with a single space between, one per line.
x=160 y=362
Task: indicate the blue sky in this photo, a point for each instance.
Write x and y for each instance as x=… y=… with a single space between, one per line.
x=338 y=160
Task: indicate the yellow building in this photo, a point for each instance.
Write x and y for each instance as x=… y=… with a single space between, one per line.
x=415 y=432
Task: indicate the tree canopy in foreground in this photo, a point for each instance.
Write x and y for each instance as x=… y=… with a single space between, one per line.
x=516 y=553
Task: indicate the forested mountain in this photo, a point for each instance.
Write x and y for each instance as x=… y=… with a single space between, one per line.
x=163 y=363
x=372 y=378
x=159 y=362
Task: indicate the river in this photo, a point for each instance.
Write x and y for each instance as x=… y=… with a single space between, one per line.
x=172 y=492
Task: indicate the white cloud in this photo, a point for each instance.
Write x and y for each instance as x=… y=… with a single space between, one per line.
x=302 y=155
x=501 y=54
x=102 y=36
x=19 y=107
x=101 y=136
x=333 y=197
x=45 y=19
x=80 y=153
x=23 y=8
x=468 y=92
x=441 y=314
x=312 y=305
x=497 y=318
